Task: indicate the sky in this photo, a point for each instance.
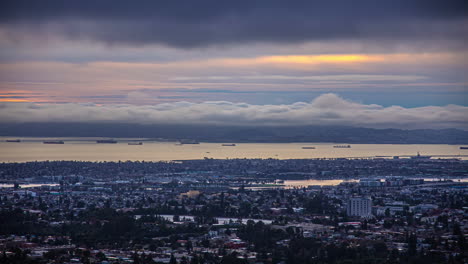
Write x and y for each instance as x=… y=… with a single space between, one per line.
x=397 y=63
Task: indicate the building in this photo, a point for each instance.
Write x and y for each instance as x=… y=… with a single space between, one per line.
x=359 y=206
x=372 y=182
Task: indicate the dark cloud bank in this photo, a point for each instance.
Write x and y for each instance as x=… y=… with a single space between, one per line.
x=202 y=23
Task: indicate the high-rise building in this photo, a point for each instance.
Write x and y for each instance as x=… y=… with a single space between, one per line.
x=359 y=206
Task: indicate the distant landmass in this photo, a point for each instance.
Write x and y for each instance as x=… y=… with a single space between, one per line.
x=214 y=133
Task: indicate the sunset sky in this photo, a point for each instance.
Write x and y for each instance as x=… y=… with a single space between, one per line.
x=402 y=56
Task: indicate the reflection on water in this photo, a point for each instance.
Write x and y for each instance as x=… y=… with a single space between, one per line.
x=3 y=185
x=305 y=183
x=291 y=184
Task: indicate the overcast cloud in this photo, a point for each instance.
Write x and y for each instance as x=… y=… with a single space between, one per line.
x=124 y=61
x=188 y=24
x=327 y=109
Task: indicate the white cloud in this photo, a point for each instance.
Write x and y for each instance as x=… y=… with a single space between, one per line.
x=327 y=109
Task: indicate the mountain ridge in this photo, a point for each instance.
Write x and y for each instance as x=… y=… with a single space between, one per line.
x=214 y=133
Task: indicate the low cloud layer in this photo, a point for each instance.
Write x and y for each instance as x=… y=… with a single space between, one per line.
x=327 y=109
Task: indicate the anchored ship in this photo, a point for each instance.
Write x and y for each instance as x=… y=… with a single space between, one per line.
x=106 y=141
x=420 y=157
x=54 y=142
x=342 y=146
x=188 y=141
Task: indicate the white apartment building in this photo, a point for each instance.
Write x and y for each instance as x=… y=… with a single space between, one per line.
x=359 y=206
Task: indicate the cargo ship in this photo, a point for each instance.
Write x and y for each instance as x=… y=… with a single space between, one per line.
x=54 y=142
x=308 y=147
x=13 y=140
x=342 y=146
x=188 y=141
x=420 y=157
x=463 y=147
x=135 y=143
x=229 y=145
x=106 y=141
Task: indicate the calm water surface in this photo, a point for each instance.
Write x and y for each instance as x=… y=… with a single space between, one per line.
x=85 y=149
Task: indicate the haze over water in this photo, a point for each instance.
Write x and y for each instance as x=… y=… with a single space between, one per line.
x=85 y=149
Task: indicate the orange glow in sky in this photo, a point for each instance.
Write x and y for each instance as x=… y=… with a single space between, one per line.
x=116 y=82
x=13 y=100
x=312 y=59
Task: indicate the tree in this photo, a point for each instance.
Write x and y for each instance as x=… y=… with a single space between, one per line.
x=461 y=242
x=387 y=212
x=189 y=246
x=412 y=243
x=232 y=259
x=173 y=260
x=195 y=260
x=136 y=258
x=101 y=256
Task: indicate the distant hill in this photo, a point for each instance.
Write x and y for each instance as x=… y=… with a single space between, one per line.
x=213 y=133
